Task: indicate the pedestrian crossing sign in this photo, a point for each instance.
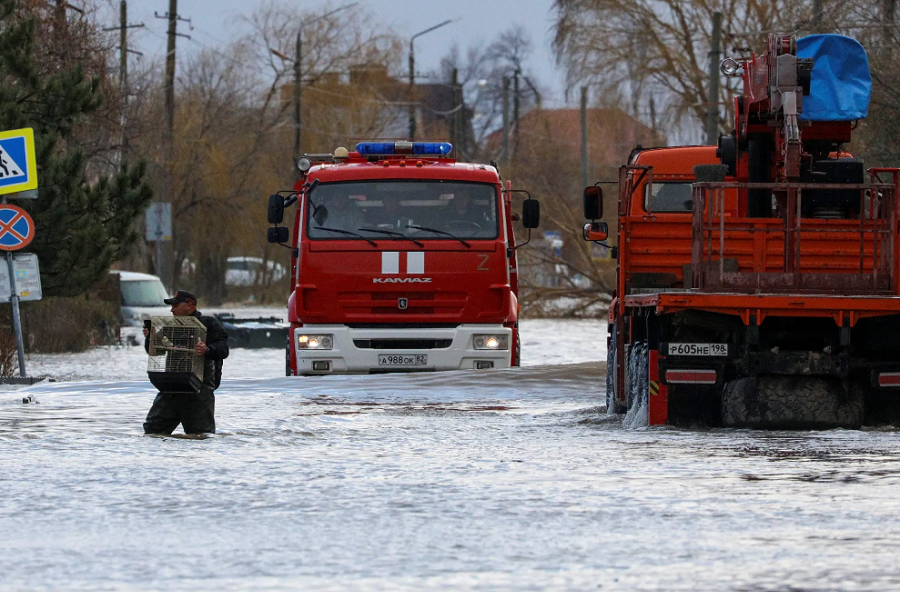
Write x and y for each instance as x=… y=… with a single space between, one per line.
x=18 y=169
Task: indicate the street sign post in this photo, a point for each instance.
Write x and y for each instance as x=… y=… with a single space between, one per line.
x=18 y=175
x=158 y=228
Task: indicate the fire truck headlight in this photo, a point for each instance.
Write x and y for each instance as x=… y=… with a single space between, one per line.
x=315 y=341
x=496 y=342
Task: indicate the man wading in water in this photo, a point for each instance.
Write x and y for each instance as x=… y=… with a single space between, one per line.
x=194 y=411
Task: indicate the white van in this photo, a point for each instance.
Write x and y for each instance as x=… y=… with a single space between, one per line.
x=142 y=297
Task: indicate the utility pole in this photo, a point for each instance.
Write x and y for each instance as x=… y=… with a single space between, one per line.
x=454 y=130
x=172 y=33
x=817 y=16
x=298 y=88
x=712 y=107
x=506 y=121
x=123 y=48
x=515 y=145
x=163 y=271
x=123 y=68
x=889 y=11
x=170 y=73
x=460 y=116
x=412 y=90
x=584 y=137
x=412 y=76
x=298 y=83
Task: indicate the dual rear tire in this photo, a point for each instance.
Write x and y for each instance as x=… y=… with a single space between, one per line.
x=793 y=402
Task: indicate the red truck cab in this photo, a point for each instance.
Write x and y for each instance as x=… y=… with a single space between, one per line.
x=403 y=260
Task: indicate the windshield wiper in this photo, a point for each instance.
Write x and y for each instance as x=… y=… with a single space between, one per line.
x=436 y=231
x=393 y=233
x=347 y=232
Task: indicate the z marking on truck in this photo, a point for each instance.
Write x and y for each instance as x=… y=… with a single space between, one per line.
x=483 y=265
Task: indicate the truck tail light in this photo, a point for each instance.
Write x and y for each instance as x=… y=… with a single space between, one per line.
x=889 y=379
x=683 y=376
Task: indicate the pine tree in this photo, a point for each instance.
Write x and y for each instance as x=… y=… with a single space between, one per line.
x=82 y=224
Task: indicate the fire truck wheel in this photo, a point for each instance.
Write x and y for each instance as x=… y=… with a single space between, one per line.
x=518 y=350
x=793 y=402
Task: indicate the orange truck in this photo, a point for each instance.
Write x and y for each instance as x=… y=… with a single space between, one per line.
x=757 y=279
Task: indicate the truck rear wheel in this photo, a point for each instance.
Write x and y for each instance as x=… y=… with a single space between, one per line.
x=792 y=402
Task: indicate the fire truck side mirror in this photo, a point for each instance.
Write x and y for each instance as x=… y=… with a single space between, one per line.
x=595 y=231
x=593 y=202
x=276 y=209
x=277 y=234
x=531 y=213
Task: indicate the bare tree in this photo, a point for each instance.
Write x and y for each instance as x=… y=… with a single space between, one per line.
x=481 y=74
x=632 y=50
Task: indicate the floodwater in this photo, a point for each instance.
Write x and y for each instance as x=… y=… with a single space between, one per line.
x=498 y=480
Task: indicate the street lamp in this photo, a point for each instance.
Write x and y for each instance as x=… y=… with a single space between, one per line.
x=298 y=61
x=412 y=76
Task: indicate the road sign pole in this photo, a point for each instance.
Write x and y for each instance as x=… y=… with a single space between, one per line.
x=159 y=255
x=14 y=300
x=18 y=175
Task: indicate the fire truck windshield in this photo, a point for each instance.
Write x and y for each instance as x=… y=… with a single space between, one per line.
x=423 y=210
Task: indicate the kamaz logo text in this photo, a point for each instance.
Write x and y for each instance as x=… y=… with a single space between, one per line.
x=398 y=280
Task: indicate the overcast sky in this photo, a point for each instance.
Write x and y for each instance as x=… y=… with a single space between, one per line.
x=479 y=21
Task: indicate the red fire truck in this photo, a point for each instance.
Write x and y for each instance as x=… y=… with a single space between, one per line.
x=758 y=280
x=403 y=260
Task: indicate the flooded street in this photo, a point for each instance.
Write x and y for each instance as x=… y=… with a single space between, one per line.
x=501 y=480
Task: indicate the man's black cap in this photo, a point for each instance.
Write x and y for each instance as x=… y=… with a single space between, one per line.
x=179 y=297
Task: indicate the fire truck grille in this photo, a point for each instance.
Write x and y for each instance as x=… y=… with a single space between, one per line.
x=363 y=305
x=402 y=343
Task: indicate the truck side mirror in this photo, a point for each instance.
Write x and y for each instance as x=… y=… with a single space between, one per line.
x=277 y=234
x=595 y=231
x=593 y=202
x=276 y=209
x=531 y=213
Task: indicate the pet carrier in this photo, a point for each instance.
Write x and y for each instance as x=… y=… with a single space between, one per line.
x=174 y=366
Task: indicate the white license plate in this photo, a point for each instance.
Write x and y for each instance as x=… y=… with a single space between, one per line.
x=402 y=360
x=698 y=349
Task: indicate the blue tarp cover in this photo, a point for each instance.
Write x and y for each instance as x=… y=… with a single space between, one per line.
x=841 y=82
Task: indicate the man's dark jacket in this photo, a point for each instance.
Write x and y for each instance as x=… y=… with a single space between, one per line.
x=216 y=350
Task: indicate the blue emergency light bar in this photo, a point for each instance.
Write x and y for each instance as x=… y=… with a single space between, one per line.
x=411 y=148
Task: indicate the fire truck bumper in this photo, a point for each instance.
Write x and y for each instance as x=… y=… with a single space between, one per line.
x=329 y=349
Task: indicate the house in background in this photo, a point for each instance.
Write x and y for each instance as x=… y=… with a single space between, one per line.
x=368 y=103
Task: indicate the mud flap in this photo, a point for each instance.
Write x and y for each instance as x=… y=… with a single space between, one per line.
x=658 y=399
